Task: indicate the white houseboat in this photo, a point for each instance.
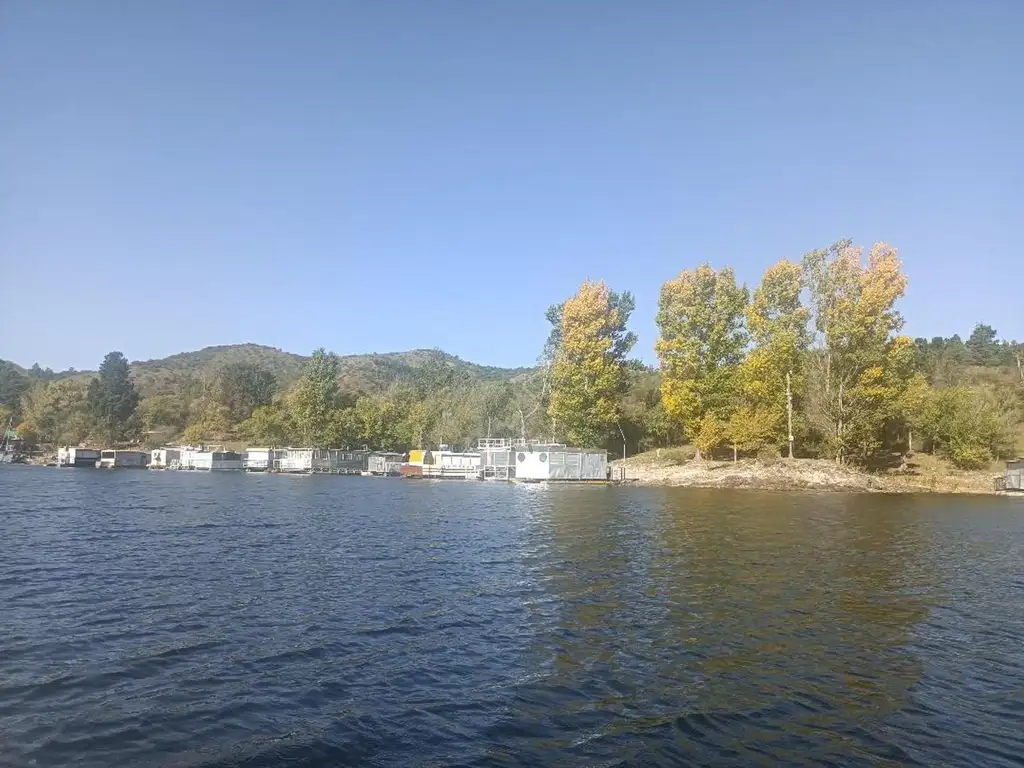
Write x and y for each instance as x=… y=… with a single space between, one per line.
x=77 y=457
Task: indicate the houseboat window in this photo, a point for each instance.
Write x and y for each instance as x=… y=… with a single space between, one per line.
x=543 y=457
x=108 y=454
x=521 y=457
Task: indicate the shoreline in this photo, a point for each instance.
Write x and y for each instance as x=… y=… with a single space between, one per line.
x=799 y=475
x=819 y=475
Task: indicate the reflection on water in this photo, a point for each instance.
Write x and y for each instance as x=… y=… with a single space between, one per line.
x=197 y=620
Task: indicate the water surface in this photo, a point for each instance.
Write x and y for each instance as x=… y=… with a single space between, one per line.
x=189 y=619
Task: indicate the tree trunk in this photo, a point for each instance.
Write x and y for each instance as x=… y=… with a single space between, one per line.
x=789 y=413
x=839 y=429
x=734 y=453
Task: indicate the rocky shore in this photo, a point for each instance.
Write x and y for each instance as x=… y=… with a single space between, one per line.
x=800 y=474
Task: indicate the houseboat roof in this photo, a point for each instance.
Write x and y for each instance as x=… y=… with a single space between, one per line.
x=557 y=447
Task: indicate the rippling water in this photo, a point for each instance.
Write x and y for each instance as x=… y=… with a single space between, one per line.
x=188 y=619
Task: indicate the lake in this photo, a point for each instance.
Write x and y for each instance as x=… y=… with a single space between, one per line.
x=189 y=619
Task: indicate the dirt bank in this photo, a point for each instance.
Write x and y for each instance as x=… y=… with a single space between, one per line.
x=798 y=474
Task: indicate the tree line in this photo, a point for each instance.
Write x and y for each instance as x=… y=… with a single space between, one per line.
x=810 y=362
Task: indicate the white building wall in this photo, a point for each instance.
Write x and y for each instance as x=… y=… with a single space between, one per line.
x=561 y=463
x=295 y=460
x=82 y=457
x=161 y=458
x=259 y=459
x=202 y=460
x=187 y=458
x=530 y=465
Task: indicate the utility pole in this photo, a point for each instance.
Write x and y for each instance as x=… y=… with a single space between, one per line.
x=789 y=411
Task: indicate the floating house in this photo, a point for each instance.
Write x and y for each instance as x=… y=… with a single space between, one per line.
x=1013 y=480
x=294 y=460
x=498 y=457
x=117 y=459
x=539 y=462
x=165 y=458
x=77 y=457
x=384 y=463
x=259 y=459
x=209 y=461
x=342 y=461
x=332 y=461
x=442 y=463
x=218 y=461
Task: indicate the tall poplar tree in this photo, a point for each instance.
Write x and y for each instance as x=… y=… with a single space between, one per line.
x=315 y=398
x=588 y=374
x=861 y=367
x=700 y=347
x=111 y=398
x=777 y=324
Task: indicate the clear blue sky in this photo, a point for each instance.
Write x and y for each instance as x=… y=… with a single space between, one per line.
x=379 y=176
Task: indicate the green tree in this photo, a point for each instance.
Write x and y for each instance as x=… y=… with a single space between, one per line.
x=164 y=413
x=914 y=408
x=379 y=417
x=554 y=340
x=56 y=412
x=269 y=425
x=13 y=385
x=244 y=387
x=209 y=422
x=777 y=322
x=860 y=365
x=495 y=403
x=112 y=398
x=982 y=347
x=968 y=426
x=700 y=347
x=588 y=374
x=530 y=396
x=710 y=435
x=315 y=398
x=417 y=423
x=343 y=428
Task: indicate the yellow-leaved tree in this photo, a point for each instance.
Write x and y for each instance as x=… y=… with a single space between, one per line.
x=588 y=374
x=772 y=371
x=860 y=366
x=700 y=348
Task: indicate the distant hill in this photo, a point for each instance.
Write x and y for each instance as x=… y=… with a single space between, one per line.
x=358 y=372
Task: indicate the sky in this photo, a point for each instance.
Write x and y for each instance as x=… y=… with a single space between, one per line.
x=383 y=176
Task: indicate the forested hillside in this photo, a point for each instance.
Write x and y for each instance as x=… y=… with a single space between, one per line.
x=356 y=372
x=203 y=388
x=810 y=362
